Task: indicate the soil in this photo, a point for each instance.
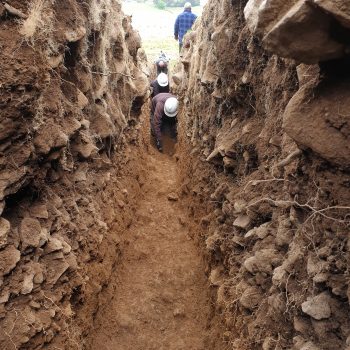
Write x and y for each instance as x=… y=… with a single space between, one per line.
x=236 y=239
x=158 y=295
x=258 y=171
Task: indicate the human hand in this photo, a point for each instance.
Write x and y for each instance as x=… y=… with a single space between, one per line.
x=176 y=37
x=159 y=146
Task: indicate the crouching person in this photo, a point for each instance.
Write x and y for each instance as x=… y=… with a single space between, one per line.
x=159 y=85
x=164 y=109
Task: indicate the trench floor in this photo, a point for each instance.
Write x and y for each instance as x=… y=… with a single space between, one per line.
x=159 y=293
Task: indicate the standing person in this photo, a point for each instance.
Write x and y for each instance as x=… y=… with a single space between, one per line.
x=159 y=85
x=164 y=109
x=183 y=23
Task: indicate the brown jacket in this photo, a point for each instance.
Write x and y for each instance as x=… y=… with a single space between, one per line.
x=157 y=113
x=157 y=89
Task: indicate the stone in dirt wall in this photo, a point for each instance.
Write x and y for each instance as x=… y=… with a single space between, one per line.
x=71 y=90
x=267 y=179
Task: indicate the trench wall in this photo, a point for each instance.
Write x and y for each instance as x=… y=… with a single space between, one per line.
x=71 y=91
x=265 y=173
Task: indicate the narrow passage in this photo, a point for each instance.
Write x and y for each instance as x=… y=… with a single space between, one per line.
x=159 y=292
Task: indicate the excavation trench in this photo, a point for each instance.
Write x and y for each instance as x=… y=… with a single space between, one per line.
x=157 y=297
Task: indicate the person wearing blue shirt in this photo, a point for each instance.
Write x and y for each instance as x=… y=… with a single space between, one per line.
x=183 y=23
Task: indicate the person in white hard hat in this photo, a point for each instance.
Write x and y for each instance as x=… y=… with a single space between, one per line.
x=164 y=108
x=159 y=85
x=183 y=23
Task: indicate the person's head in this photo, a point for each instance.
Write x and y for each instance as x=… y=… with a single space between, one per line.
x=161 y=64
x=187 y=6
x=162 y=80
x=170 y=107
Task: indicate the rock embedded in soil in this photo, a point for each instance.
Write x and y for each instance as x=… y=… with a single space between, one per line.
x=9 y=257
x=239 y=205
x=39 y=211
x=251 y=298
x=340 y=9
x=326 y=122
x=302 y=24
x=315 y=266
x=301 y=325
x=317 y=307
x=121 y=204
x=35 y=305
x=5 y=227
x=53 y=245
x=262 y=261
x=39 y=277
x=75 y=35
x=29 y=231
x=56 y=268
x=309 y=346
x=173 y=197
x=50 y=137
x=216 y=277
x=243 y=222
x=179 y=312
x=28 y=284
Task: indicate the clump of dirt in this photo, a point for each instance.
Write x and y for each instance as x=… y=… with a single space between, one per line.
x=71 y=92
x=265 y=176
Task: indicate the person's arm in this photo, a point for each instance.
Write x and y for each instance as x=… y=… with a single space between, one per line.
x=194 y=19
x=157 y=123
x=155 y=89
x=152 y=89
x=153 y=106
x=176 y=28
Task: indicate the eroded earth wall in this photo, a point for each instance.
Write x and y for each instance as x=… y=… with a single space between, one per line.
x=71 y=90
x=266 y=139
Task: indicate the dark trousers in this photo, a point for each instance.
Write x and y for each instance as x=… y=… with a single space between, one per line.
x=169 y=126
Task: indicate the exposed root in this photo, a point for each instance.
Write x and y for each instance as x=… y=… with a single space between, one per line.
x=36 y=20
x=289 y=158
x=15 y=12
x=286 y=204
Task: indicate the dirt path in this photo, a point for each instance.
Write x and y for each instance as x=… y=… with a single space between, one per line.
x=158 y=294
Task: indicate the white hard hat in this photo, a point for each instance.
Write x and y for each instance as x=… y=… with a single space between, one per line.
x=162 y=79
x=170 y=106
x=187 y=5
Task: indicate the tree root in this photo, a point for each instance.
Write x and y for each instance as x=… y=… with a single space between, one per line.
x=15 y=12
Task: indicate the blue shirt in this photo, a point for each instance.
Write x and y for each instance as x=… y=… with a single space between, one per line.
x=183 y=23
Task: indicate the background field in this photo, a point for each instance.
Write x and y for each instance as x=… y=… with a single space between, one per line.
x=156 y=27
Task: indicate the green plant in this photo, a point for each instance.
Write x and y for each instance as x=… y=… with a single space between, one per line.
x=160 y=4
x=180 y=3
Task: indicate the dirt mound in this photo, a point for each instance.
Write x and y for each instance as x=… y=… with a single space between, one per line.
x=71 y=92
x=265 y=170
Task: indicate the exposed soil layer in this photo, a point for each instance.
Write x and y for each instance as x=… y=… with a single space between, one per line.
x=100 y=236
x=71 y=90
x=157 y=298
x=264 y=156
